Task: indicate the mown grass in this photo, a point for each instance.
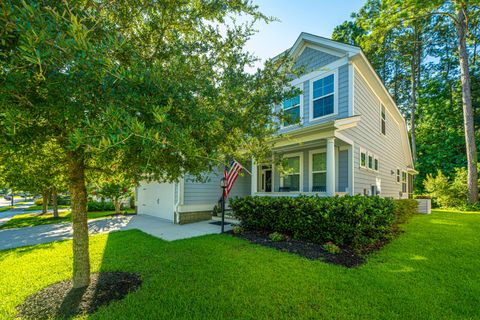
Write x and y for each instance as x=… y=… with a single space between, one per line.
x=36 y=219
x=432 y=271
x=35 y=207
x=3 y=209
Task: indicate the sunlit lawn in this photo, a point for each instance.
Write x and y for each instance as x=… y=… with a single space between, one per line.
x=432 y=271
x=35 y=219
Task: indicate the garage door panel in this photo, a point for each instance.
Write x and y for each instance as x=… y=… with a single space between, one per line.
x=157 y=199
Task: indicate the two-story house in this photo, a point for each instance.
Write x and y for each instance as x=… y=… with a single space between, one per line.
x=344 y=135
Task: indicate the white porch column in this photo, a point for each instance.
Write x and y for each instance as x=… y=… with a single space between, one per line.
x=331 y=166
x=254 y=177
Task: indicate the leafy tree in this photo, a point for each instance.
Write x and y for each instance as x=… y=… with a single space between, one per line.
x=39 y=169
x=114 y=186
x=157 y=87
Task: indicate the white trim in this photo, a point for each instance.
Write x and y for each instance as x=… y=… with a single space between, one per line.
x=181 y=191
x=300 y=121
x=351 y=169
x=343 y=138
x=310 y=165
x=292 y=155
x=335 y=95
x=351 y=79
x=328 y=68
x=196 y=207
x=322 y=42
x=317 y=47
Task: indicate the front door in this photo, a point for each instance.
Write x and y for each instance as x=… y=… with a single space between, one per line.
x=266 y=180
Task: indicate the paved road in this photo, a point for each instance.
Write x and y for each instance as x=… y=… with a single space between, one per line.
x=13 y=238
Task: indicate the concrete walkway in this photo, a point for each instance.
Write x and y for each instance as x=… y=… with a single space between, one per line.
x=168 y=231
x=14 y=238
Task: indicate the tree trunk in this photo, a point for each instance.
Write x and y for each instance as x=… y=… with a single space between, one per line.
x=45 y=200
x=118 y=205
x=55 y=202
x=468 y=120
x=81 y=259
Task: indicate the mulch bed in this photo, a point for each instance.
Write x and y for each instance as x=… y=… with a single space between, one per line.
x=60 y=301
x=313 y=251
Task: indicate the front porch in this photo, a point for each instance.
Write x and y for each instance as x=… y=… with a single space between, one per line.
x=320 y=167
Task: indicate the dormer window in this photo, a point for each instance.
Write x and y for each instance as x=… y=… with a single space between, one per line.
x=291 y=109
x=323 y=96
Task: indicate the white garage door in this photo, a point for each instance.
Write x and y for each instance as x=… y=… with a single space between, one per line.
x=156 y=199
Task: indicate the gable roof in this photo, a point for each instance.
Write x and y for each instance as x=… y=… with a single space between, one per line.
x=358 y=58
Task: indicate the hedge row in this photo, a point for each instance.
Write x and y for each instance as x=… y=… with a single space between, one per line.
x=353 y=221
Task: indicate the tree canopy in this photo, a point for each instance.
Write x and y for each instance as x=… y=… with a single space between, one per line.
x=156 y=88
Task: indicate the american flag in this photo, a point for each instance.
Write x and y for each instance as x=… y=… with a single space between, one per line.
x=230 y=175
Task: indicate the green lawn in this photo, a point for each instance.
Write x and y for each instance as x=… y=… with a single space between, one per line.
x=430 y=272
x=6 y=208
x=34 y=207
x=35 y=219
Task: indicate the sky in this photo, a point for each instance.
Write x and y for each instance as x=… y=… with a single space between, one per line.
x=318 y=17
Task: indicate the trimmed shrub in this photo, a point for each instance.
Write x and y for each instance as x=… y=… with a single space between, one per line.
x=332 y=248
x=100 y=206
x=403 y=209
x=354 y=221
x=38 y=202
x=276 y=236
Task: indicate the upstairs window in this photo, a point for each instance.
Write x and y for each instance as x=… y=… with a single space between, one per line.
x=323 y=97
x=383 y=120
x=291 y=109
x=370 y=161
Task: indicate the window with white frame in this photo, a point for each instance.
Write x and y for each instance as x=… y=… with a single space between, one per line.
x=404 y=182
x=319 y=172
x=398 y=175
x=376 y=163
x=292 y=172
x=363 y=158
x=292 y=110
x=383 y=119
x=370 y=161
x=323 y=102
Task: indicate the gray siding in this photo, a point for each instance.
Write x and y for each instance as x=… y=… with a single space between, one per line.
x=343 y=91
x=311 y=60
x=367 y=135
x=316 y=59
x=209 y=191
x=342 y=171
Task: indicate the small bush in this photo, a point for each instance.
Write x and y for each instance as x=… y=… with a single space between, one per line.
x=63 y=201
x=100 y=206
x=422 y=196
x=354 y=221
x=403 y=209
x=276 y=236
x=38 y=202
x=331 y=247
x=237 y=229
